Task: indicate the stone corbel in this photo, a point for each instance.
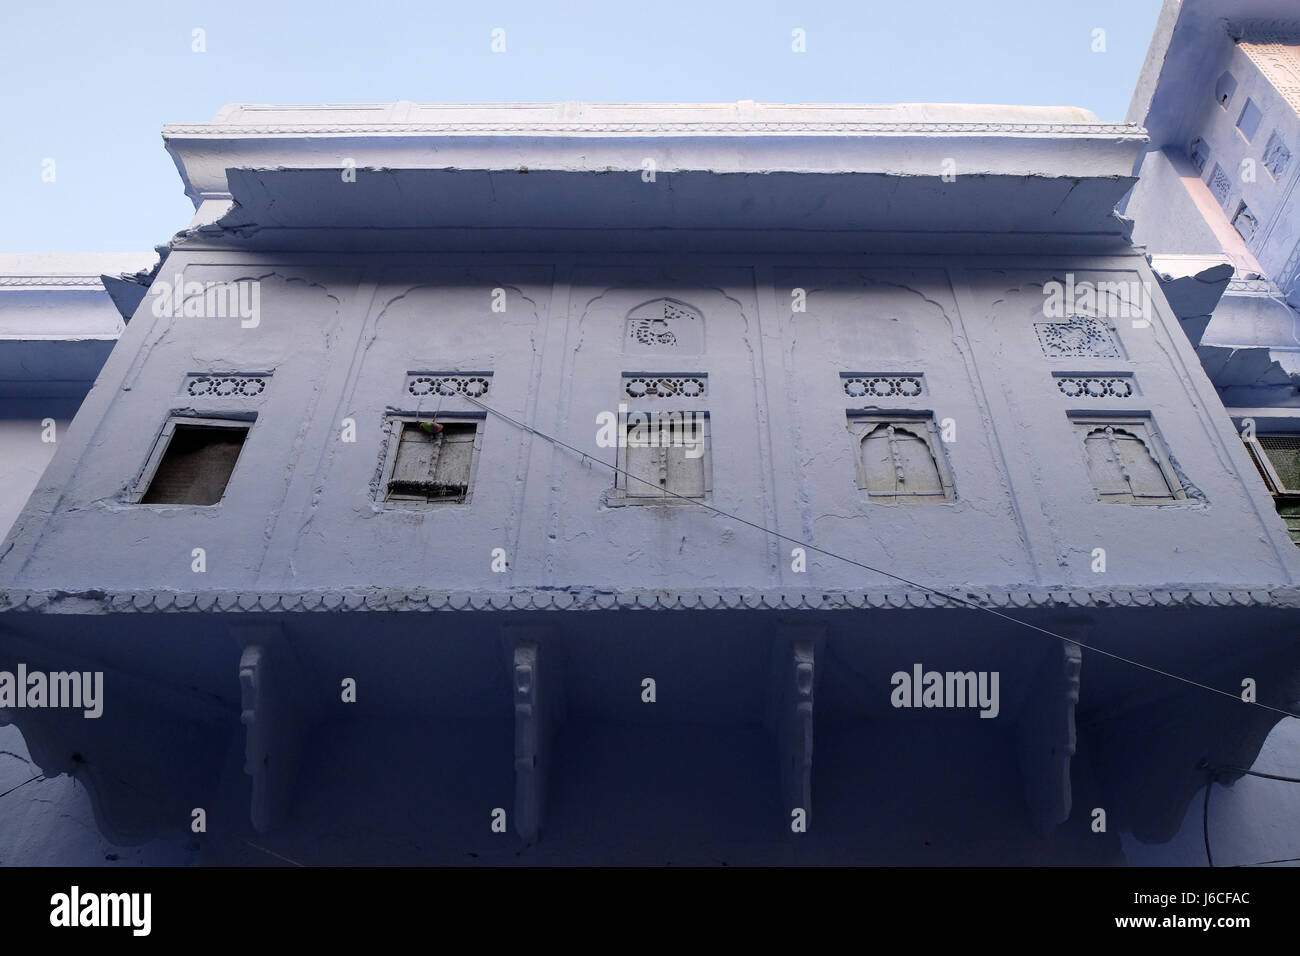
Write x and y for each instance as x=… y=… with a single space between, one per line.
x=790 y=715
x=1045 y=732
x=276 y=715
x=537 y=689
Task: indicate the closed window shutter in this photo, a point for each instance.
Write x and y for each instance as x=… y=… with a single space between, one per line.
x=416 y=454
x=878 y=463
x=646 y=464
x=897 y=461
x=670 y=462
x=1104 y=464
x=1123 y=466
x=920 y=473
x=1145 y=477
x=685 y=475
x=456 y=454
x=429 y=468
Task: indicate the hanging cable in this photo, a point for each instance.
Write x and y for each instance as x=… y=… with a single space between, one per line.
x=21 y=785
x=889 y=574
x=1294 y=859
x=1255 y=773
x=1205 y=818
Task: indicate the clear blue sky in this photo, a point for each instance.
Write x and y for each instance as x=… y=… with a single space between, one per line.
x=90 y=84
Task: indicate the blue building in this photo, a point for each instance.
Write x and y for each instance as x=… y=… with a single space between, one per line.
x=1215 y=208
x=694 y=484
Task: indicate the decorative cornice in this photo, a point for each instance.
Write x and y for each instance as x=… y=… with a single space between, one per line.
x=1277 y=59
x=589 y=599
x=222 y=130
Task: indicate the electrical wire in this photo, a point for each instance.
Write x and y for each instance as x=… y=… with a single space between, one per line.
x=1205 y=818
x=1213 y=775
x=1211 y=771
x=889 y=574
x=21 y=785
x=271 y=853
x=1294 y=859
x=1255 y=773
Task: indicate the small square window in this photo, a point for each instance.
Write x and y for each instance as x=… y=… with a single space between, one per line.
x=196 y=461
x=1126 y=462
x=663 y=457
x=429 y=462
x=1248 y=121
x=900 y=458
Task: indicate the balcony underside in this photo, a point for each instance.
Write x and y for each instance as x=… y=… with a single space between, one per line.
x=755 y=714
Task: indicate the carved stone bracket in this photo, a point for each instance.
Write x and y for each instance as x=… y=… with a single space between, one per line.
x=276 y=715
x=1045 y=733
x=790 y=715
x=537 y=692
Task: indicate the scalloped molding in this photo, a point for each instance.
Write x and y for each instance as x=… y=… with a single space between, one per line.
x=591 y=599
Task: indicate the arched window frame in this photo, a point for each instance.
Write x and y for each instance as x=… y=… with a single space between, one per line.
x=1142 y=430
x=922 y=425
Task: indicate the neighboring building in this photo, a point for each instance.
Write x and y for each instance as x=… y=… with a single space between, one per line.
x=57 y=326
x=1217 y=208
x=341 y=511
x=1219 y=96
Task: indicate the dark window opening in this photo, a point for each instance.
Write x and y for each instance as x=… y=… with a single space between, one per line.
x=197 y=465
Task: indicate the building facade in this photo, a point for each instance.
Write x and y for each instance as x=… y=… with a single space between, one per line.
x=700 y=483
